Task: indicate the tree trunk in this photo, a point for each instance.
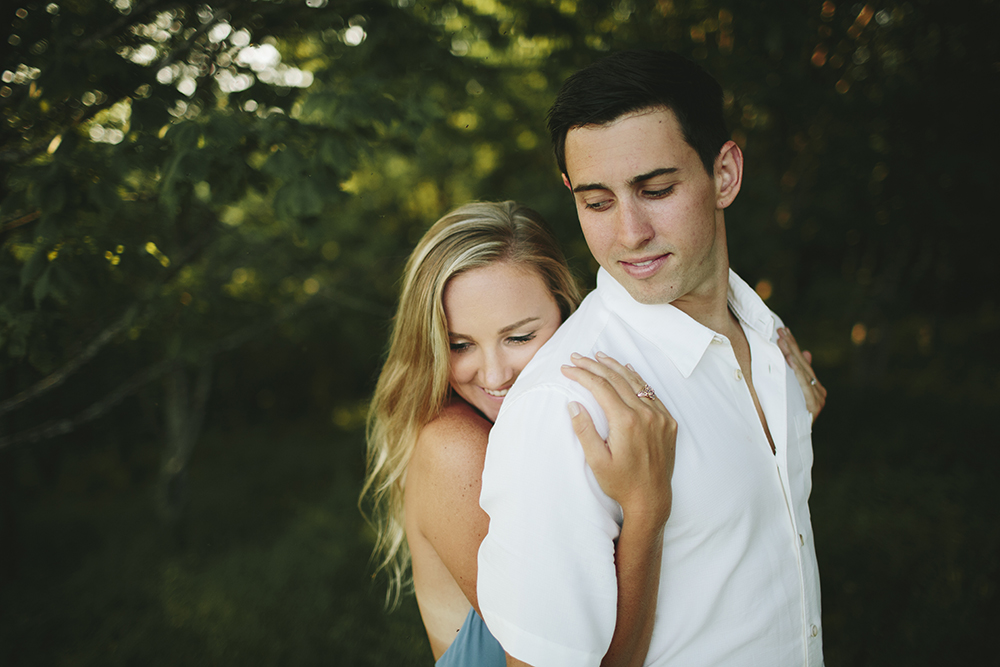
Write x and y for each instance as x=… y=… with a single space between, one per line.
x=184 y=413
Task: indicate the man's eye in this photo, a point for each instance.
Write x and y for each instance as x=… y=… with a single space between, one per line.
x=662 y=192
x=598 y=205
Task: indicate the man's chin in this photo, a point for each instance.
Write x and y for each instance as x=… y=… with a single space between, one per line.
x=645 y=292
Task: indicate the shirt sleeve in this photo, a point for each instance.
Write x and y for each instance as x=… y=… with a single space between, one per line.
x=546 y=583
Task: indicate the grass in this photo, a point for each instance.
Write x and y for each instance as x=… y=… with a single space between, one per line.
x=269 y=567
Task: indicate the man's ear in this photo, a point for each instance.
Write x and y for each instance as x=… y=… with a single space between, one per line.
x=728 y=174
x=566 y=182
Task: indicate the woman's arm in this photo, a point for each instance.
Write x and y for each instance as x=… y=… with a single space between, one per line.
x=634 y=466
x=447 y=467
x=443 y=486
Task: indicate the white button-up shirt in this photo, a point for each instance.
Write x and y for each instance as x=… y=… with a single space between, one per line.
x=739 y=583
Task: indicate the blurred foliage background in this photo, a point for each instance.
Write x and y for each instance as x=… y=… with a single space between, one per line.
x=204 y=210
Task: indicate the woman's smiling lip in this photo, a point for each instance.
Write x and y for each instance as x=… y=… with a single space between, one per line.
x=496 y=393
x=645 y=267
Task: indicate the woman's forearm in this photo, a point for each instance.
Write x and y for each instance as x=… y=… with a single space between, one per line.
x=638 y=556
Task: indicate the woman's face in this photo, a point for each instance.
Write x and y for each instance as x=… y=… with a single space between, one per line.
x=498 y=316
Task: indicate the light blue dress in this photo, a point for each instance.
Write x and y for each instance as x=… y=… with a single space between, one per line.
x=474 y=646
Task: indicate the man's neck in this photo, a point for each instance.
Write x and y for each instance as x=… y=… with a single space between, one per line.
x=710 y=306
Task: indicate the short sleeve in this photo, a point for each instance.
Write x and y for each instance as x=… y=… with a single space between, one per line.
x=546 y=583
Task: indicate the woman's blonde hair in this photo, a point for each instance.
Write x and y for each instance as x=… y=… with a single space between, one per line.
x=413 y=386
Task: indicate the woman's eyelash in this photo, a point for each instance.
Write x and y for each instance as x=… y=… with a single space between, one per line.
x=517 y=340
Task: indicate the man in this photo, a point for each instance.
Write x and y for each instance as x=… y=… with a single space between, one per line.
x=641 y=143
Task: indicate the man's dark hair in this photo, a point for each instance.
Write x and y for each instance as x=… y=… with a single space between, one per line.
x=630 y=81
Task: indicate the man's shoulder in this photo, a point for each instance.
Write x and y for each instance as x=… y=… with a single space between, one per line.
x=579 y=333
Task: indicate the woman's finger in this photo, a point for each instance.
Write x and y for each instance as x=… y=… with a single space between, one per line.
x=624 y=378
x=595 y=449
x=607 y=394
x=625 y=386
x=634 y=380
x=801 y=364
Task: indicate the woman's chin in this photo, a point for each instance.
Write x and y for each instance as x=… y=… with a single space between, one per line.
x=490 y=406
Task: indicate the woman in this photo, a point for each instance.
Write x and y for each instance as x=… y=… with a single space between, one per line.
x=483 y=290
x=485 y=287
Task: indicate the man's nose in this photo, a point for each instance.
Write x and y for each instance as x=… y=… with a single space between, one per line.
x=635 y=228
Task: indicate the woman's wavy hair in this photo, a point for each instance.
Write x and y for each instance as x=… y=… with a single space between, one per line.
x=413 y=386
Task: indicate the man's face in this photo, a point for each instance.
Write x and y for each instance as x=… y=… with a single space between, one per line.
x=650 y=213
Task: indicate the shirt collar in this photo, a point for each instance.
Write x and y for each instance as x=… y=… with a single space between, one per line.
x=680 y=337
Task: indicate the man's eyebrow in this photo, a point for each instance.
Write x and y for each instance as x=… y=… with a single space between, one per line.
x=590 y=186
x=635 y=180
x=662 y=171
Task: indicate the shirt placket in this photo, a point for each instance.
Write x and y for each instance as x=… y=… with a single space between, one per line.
x=765 y=363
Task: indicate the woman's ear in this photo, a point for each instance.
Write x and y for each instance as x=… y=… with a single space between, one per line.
x=728 y=174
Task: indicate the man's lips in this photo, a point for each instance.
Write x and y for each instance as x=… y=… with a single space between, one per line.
x=643 y=267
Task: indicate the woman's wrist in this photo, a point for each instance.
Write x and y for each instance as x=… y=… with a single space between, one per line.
x=648 y=518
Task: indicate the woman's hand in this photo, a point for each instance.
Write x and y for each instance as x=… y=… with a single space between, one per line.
x=801 y=364
x=635 y=464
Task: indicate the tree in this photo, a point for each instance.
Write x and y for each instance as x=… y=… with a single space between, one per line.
x=170 y=191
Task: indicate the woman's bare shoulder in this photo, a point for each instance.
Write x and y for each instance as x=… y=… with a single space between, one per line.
x=455 y=439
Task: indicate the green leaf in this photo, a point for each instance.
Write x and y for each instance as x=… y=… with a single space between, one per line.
x=104 y=197
x=33 y=267
x=53 y=194
x=297 y=199
x=41 y=289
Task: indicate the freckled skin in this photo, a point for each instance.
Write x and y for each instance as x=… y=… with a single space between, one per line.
x=498 y=316
x=651 y=214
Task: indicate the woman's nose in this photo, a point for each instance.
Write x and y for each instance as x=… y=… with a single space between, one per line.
x=497 y=370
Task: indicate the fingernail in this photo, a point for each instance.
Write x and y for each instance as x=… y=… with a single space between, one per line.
x=600 y=355
x=576 y=355
x=574 y=408
x=629 y=366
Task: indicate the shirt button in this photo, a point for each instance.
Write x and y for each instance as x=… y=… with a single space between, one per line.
x=738 y=374
x=814 y=630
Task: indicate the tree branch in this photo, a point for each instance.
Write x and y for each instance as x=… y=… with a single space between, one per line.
x=137 y=12
x=56 y=427
x=11 y=225
x=186 y=46
x=12 y=156
x=57 y=378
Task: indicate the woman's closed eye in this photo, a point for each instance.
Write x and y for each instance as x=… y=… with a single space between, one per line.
x=459 y=347
x=518 y=340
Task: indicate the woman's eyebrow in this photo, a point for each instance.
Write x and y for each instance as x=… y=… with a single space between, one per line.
x=516 y=325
